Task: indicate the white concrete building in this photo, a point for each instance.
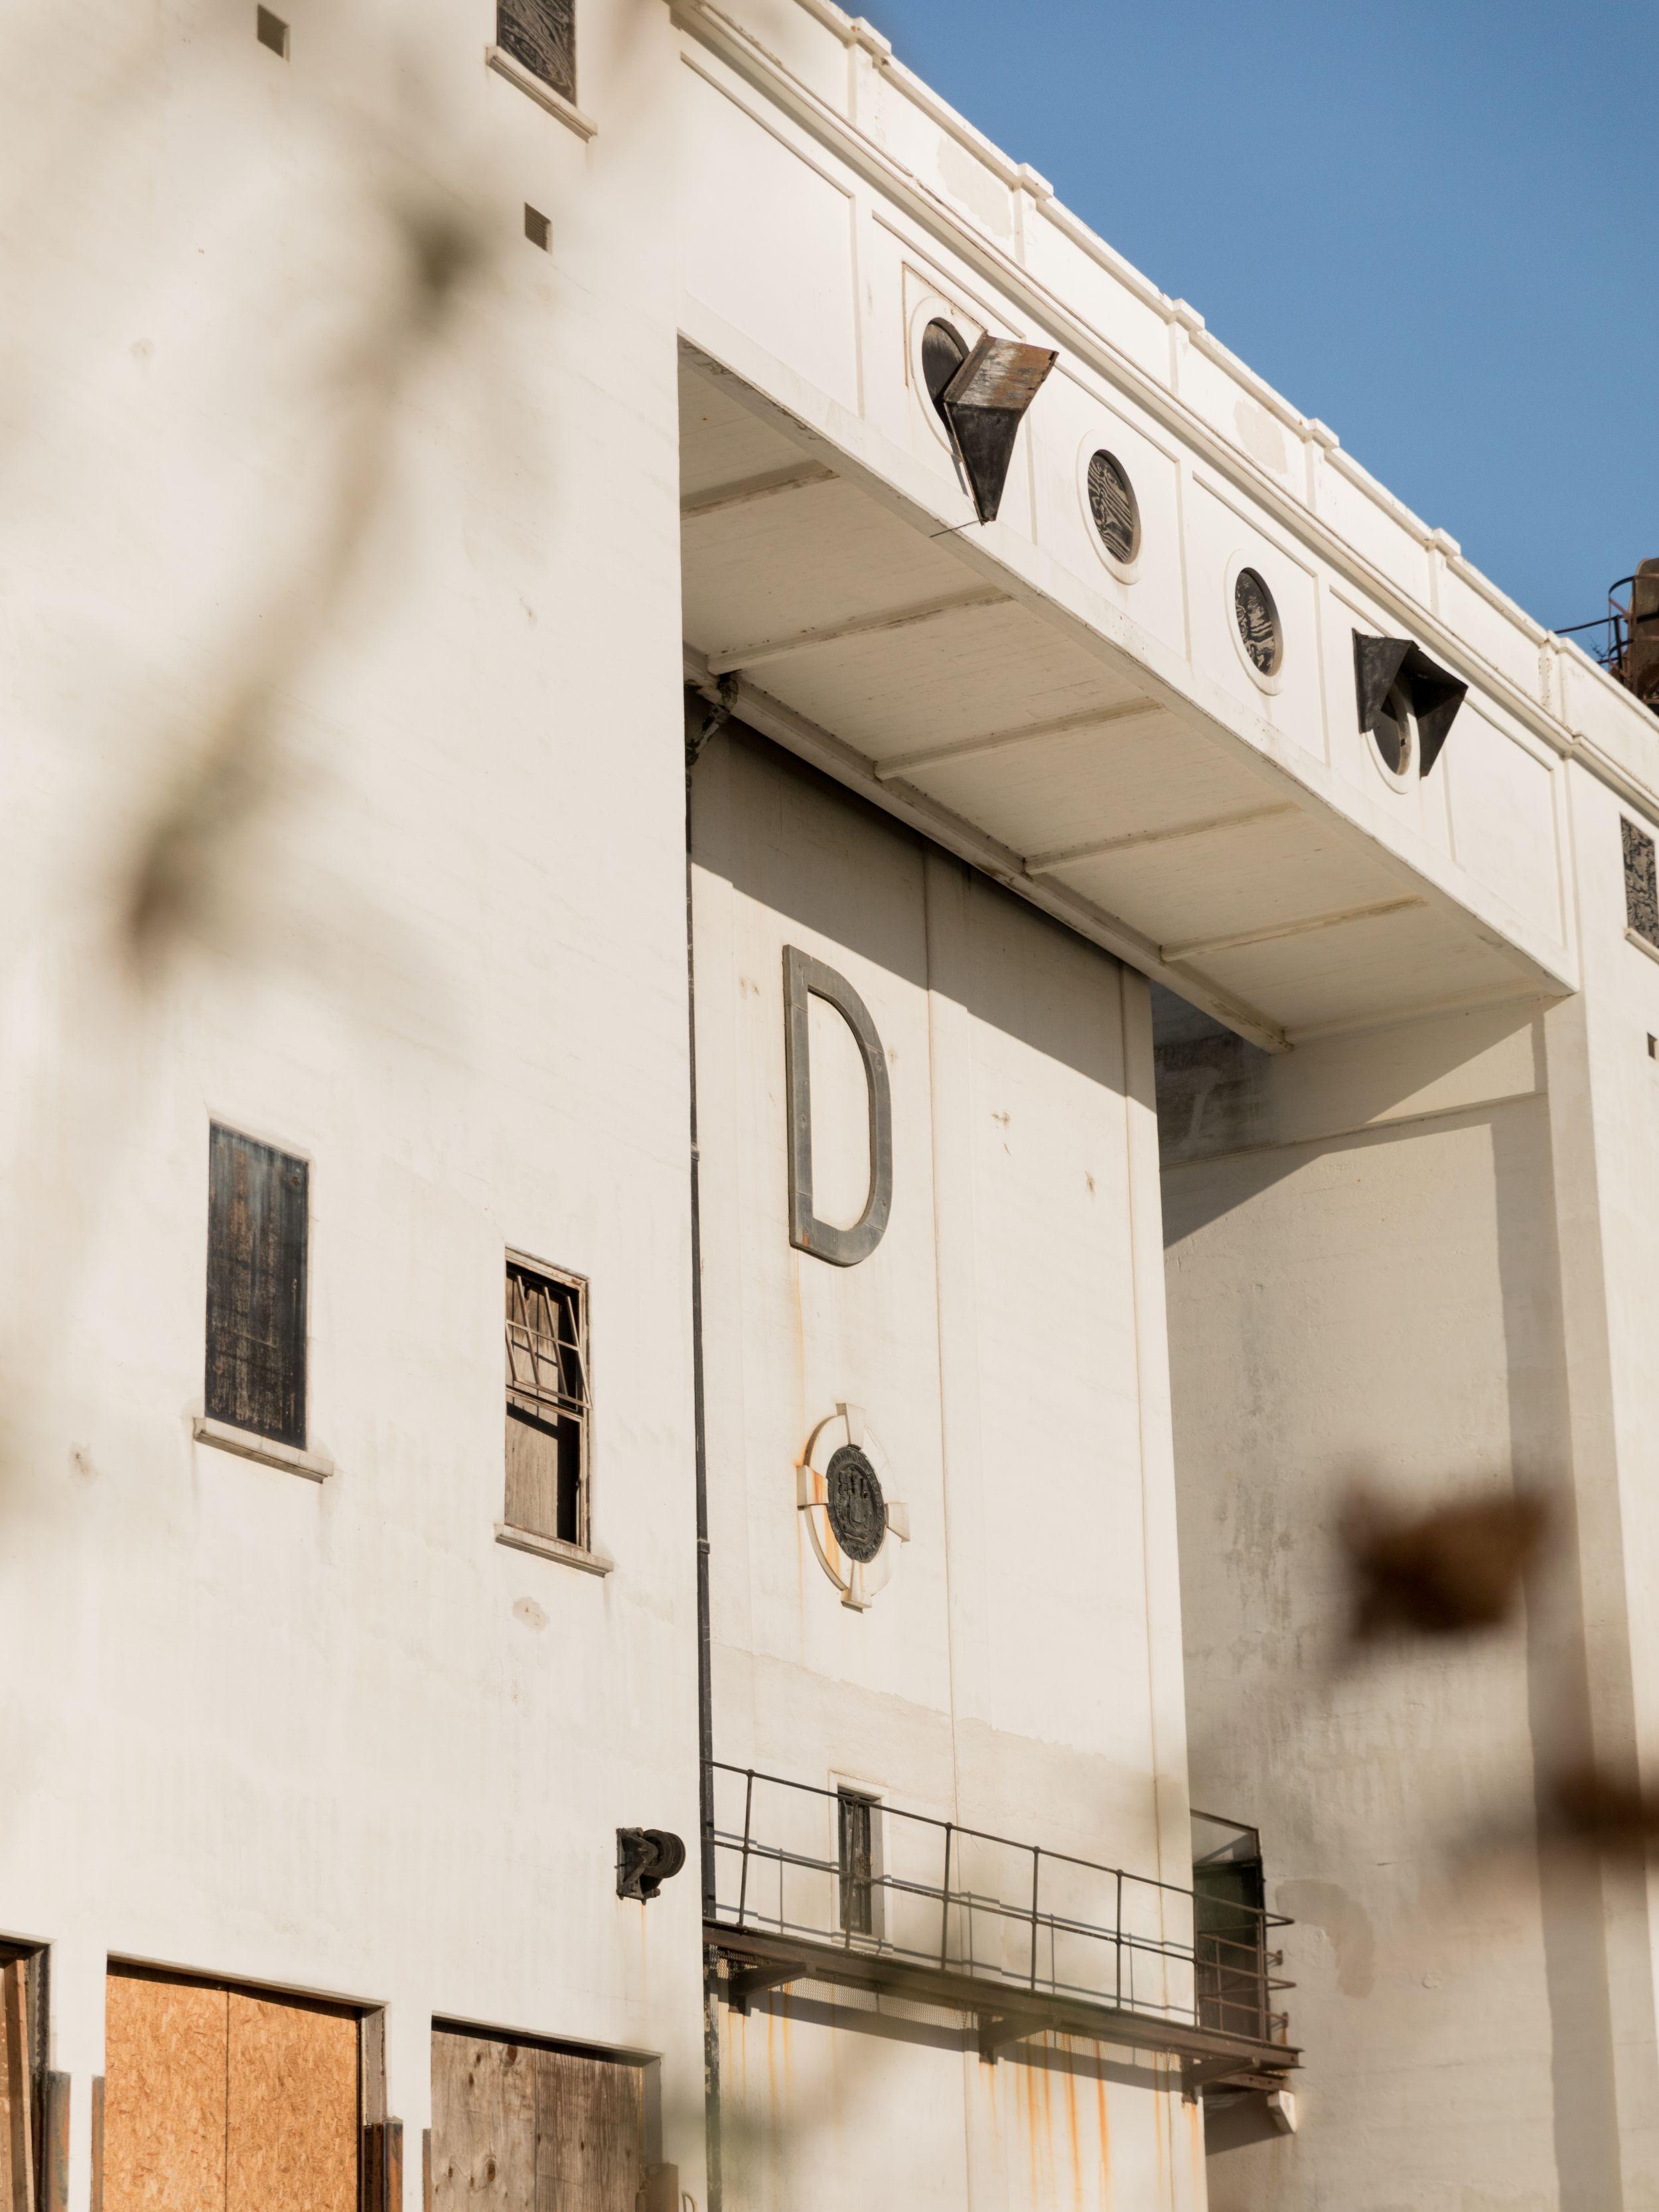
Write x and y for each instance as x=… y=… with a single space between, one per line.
x=548 y=762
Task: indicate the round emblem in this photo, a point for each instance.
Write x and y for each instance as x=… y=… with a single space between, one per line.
x=1258 y=622
x=1113 y=506
x=856 y=1507
x=843 y=1493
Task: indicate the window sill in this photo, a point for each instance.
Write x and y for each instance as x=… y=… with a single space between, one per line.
x=554 y=1547
x=1635 y=936
x=567 y=113
x=246 y=1445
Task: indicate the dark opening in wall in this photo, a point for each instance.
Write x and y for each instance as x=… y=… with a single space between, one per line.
x=272 y=31
x=942 y=354
x=537 y=228
x=857 y=1857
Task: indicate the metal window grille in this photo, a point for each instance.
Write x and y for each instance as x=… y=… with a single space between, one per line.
x=547 y=1403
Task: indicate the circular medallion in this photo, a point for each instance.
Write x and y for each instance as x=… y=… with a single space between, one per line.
x=1258 y=622
x=1112 y=504
x=857 y=1510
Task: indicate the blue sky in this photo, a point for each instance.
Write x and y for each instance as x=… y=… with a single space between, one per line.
x=1435 y=227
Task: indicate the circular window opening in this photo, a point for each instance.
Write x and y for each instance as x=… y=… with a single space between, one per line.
x=1114 y=507
x=1394 y=731
x=1258 y=624
x=856 y=1508
x=942 y=354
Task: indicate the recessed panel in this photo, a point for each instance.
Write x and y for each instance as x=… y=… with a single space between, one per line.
x=766 y=238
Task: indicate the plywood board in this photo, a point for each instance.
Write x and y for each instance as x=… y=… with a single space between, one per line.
x=589 y=2134
x=291 y=2122
x=165 y=2056
x=483 y=2125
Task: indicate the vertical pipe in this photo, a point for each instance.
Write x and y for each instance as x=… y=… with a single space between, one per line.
x=699 y=726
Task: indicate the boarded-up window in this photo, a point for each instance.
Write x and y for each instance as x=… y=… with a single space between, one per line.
x=256 y=1288
x=220 y=2100
x=542 y=35
x=19 y=2081
x=547 y=1403
x=517 y=2127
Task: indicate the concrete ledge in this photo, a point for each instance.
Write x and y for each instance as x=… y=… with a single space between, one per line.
x=1635 y=936
x=554 y=1547
x=569 y=113
x=246 y=1445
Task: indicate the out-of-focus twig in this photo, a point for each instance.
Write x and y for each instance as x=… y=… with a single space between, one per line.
x=181 y=873
x=1602 y=1812
x=1451 y=1572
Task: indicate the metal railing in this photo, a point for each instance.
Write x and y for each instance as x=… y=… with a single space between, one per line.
x=1015 y=1916
x=1609 y=637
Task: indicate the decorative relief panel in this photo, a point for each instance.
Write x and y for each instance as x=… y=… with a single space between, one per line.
x=1641 y=884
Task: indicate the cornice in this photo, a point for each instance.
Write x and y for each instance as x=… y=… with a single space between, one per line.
x=842 y=136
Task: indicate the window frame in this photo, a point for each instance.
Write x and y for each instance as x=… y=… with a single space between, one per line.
x=578 y=1550
x=874 y=1934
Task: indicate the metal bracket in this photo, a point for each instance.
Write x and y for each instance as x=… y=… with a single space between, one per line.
x=998 y=2028
x=746 y=1982
x=1196 y=2072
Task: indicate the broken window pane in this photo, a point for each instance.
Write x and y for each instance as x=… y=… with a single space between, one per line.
x=547 y=1404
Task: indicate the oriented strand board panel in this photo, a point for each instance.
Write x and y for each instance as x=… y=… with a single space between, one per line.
x=291 y=2123
x=483 y=2125
x=589 y=2134
x=164 y=2095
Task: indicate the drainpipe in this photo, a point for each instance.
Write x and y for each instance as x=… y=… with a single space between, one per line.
x=701 y=723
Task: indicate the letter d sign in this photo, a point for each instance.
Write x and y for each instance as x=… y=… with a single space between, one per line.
x=803 y=976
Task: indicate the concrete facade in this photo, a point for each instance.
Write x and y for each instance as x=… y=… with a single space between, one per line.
x=360 y=541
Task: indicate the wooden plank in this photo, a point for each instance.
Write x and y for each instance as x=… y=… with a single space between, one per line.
x=55 y=2144
x=483 y=2125
x=97 y=2198
x=164 y=2094
x=382 y=2179
x=257 y=1200
x=293 y=2102
x=590 y=2134
x=16 y=2088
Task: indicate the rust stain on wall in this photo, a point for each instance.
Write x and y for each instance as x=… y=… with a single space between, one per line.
x=1104 y=2137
